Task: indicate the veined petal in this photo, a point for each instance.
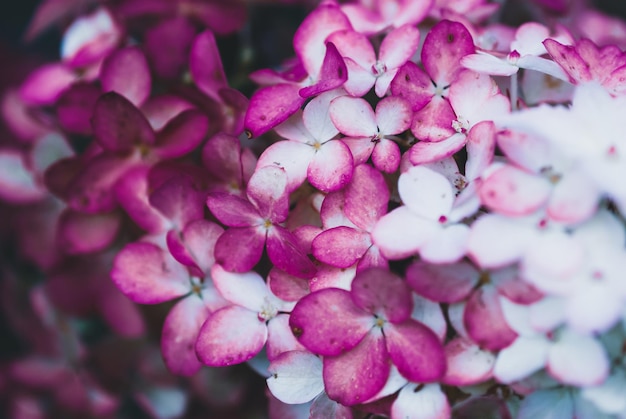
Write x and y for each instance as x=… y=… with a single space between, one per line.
x=285 y=253
x=366 y=197
x=421 y=402
x=341 y=246
x=353 y=116
x=357 y=375
x=238 y=249
x=383 y=294
x=427 y=152
x=331 y=167
x=232 y=210
x=271 y=105
x=230 y=336
x=296 y=377
x=327 y=322
x=243 y=289
x=126 y=72
x=267 y=191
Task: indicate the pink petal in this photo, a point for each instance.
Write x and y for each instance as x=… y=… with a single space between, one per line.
x=267 y=191
x=85 y=233
x=413 y=85
x=383 y=294
x=182 y=134
x=444 y=46
x=118 y=125
x=421 y=402
x=393 y=115
x=148 y=275
x=513 y=192
x=315 y=322
x=46 y=84
x=179 y=200
x=179 y=335
x=433 y=121
x=366 y=197
x=484 y=320
x=270 y=106
x=332 y=75
x=332 y=167
x=225 y=159
x=159 y=110
x=341 y=246
x=399 y=46
x=355 y=46
x=230 y=336
x=232 y=210
x=293 y=157
x=126 y=72
x=243 y=289
x=167 y=46
x=426 y=192
x=416 y=351
x=357 y=375
x=568 y=58
x=296 y=377
x=468 y=364
x=448 y=283
x=481 y=144
x=285 y=254
x=205 y=64
x=360 y=80
x=75 y=107
x=239 y=249
x=564 y=360
x=426 y=152
x=287 y=287
x=401 y=233
x=353 y=116
x=574 y=199
x=197 y=241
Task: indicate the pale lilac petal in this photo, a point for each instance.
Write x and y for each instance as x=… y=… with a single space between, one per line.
x=609 y=397
x=148 y=275
x=448 y=283
x=325 y=408
x=475 y=97
x=267 y=191
x=332 y=167
x=366 y=197
x=284 y=252
x=522 y=358
x=293 y=129
x=230 y=336
x=468 y=364
x=239 y=249
x=401 y=233
x=126 y=72
x=357 y=375
x=426 y=152
x=564 y=360
x=384 y=81
x=293 y=157
x=416 y=351
x=232 y=210
x=426 y=193
x=353 y=116
x=180 y=331
x=484 y=320
x=383 y=294
x=456 y=312
x=393 y=115
x=542 y=65
x=318 y=326
x=360 y=80
x=399 y=46
x=607 y=308
x=270 y=106
x=341 y=246
x=524 y=150
x=243 y=289
x=421 y=402
x=80 y=233
x=449 y=245
x=296 y=377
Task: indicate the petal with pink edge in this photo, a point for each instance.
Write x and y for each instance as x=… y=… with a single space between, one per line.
x=426 y=193
x=412 y=84
x=386 y=156
x=327 y=322
x=401 y=233
x=354 y=45
x=353 y=116
x=243 y=289
x=564 y=360
x=366 y=197
x=180 y=200
x=399 y=46
x=316 y=118
x=468 y=364
x=341 y=246
x=332 y=75
x=271 y=105
x=418 y=401
x=568 y=58
x=416 y=351
x=427 y=152
x=126 y=72
x=182 y=134
x=232 y=210
x=179 y=335
x=522 y=358
x=118 y=125
x=444 y=46
x=574 y=199
x=287 y=287
x=331 y=167
x=355 y=376
x=296 y=377
x=239 y=249
x=230 y=336
x=147 y=274
x=393 y=115
x=484 y=320
x=292 y=156
x=285 y=253
x=383 y=294
x=481 y=145
x=433 y=122
x=448 y=283
x=267 y=191
x=280 y=338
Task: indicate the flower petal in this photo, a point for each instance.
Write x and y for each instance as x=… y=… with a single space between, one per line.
x=416 y=401
x=126 y=72
x=296 y=377
x=447 y=283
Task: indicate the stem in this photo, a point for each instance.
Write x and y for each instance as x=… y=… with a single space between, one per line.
x=513 y=91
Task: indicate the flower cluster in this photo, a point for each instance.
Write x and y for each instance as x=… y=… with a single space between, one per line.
x=418 y=215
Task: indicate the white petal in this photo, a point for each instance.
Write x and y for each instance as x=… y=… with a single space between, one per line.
x=578 y=360
x=426 y=192
x=296 y=377
x=429 y=402
x=522 y=358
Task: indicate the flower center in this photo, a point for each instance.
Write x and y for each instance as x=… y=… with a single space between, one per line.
x=379 y=68
x=268 y=311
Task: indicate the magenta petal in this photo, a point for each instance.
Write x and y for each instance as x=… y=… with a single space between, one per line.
x=386 y=156
x=383 y=294
x=434 y=121
x=287 y=287
x=341 y=246
x=416 y=351
x=148 y=275
x=75 y=107
x=442 y=283
x=167 y=45
x=179 y=200
x=484 y=320
x=427 y=152
x=331 y=168
x=230 y=335
x=285 y=254
x=366 y=197
x=182 y=134
x=399 y=45
x=179 y=335
x=357 y=375
x=333 y=74
x=412 y=84
x=85 y=233
x=205 y=64
x=444 y=46
x=126 y=72
x=224 y=158
x=267 y=191
x=270 y=106
x=239 y=249
x=317 y=324
x=118 y=125
x=232 y=210
x=568 y=58
x=44 y=85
